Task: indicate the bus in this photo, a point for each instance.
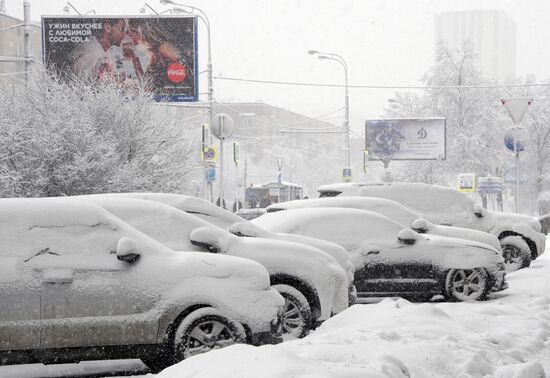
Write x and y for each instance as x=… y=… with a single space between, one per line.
x=263 y=195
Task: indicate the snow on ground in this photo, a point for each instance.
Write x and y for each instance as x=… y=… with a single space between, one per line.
x=505 y=337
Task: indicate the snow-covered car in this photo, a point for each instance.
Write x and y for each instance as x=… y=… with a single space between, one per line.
x=224 y=219
x=520 y=235
x=77 y=283
x=313 y=284
x=391 y=259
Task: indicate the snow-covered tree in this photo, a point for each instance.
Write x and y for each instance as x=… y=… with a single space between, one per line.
x=67 y=138
x=471 y=118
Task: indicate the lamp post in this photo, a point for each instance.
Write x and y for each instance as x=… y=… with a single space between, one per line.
x=331 y=56
x=202 y=15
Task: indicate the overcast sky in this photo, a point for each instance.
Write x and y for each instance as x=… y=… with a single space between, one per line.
x=385 y=42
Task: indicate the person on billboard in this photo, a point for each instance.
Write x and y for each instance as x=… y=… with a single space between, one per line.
x=95 y=59
x=388 y=140
x=127 y=63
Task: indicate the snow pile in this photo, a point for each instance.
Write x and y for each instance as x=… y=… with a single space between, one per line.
x=506 y=337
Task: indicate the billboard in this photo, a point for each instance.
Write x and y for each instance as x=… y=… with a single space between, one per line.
x=405 y=139
x=158 y=51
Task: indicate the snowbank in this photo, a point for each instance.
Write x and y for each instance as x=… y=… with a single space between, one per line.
x=508 y=336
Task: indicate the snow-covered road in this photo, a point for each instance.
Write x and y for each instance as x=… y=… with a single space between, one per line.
x=507 y=336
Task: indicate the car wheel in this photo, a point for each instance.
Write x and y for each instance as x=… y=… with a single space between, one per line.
x=516 y=253
x=206 y=329
x=297 y=313
x=466 y=285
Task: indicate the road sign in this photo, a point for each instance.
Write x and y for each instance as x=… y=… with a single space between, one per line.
x=489 y=185
x=516 y=107
x=210 y=153
x=222 y=126
x=210 y=174
x=467 y=182
x=346 y=174
x=516 y=138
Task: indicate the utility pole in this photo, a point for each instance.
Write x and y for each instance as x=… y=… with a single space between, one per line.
x=27 y=36
x=245 y=174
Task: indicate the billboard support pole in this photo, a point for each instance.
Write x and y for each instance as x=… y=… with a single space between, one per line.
x=387 y=169
x=27 y=36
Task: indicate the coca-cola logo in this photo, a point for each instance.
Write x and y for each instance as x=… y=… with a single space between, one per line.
x=176 y=72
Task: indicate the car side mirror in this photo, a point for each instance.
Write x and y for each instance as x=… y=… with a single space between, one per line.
x=206 y=238
x=479 y=211
x=421 y=226
x=126 y=250
x=407 y=237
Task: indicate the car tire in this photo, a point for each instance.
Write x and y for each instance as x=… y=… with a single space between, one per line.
x=297 y=317
x=516 y=253
x=203 y=330
x=466 y=285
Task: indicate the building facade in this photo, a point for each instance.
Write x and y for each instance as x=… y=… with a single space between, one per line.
x=306 y=146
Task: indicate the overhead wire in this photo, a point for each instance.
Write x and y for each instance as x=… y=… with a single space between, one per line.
x=423 y=87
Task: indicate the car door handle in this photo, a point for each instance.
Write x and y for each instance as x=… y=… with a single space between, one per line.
x=54 y=276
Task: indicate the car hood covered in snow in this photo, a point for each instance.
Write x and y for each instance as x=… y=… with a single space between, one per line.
x=317 y=268
x=426 y=227
x=248 y=229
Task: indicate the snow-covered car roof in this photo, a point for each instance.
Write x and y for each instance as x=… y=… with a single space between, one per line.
x=27 y=224
x=193 y=205
x=162 y=222
x=389 y=208
x=319 y=223
x=414 y=195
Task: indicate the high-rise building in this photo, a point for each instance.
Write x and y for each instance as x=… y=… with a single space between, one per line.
x=492 y=33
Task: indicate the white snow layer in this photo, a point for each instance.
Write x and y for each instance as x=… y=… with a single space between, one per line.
x=505 y=337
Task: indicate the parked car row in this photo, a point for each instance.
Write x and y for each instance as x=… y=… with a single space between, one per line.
x=96 y=277
x=521 y=237
x=163 y=277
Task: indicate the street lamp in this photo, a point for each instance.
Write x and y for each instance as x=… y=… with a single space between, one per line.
x=202 y=15
x=331 y=56
x=143 y=10
x=68 y=6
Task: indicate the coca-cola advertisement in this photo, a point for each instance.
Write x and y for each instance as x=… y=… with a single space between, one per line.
x=157 y=53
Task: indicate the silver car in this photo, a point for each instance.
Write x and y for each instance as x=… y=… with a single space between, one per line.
x=77 y=283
